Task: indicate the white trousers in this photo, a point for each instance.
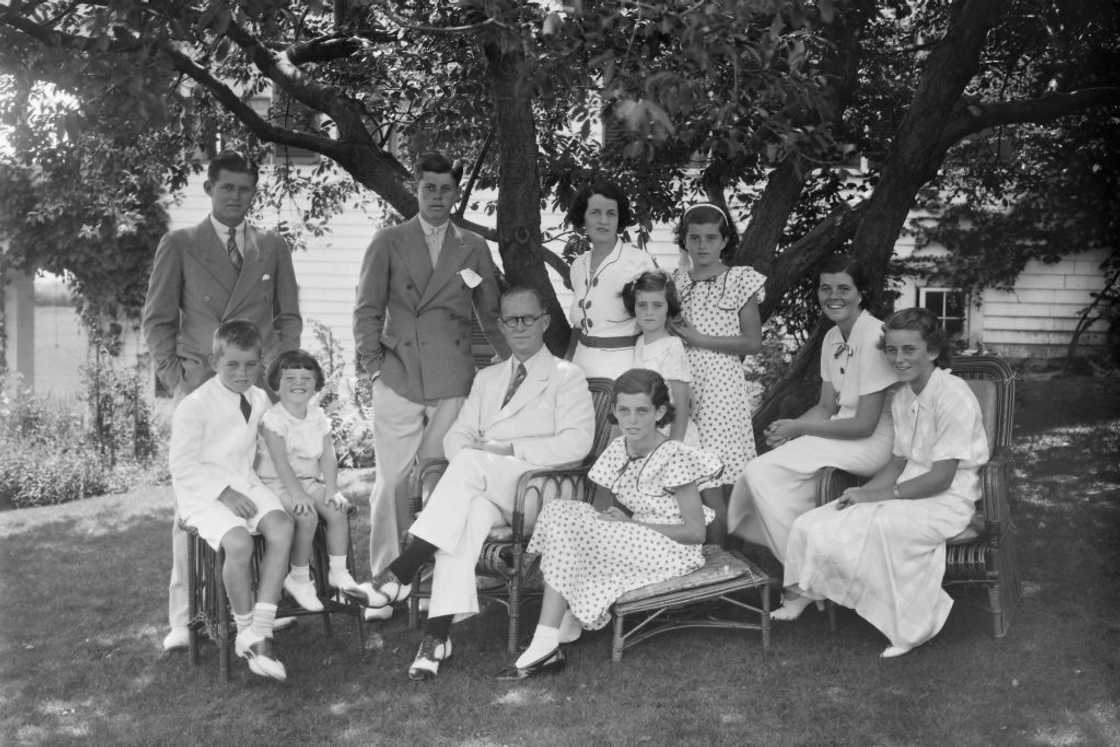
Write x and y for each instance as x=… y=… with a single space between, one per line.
x=475 y=494
x=403 y=431
x=780 y=485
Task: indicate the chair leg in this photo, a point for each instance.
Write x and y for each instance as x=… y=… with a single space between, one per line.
x=616 y=638
x=192 y=598
x=514 y=610
x=831 y=615
x=765 y=622
x=221 y=621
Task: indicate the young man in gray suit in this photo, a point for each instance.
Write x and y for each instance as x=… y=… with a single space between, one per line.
x=220 y=270
x=419 y=284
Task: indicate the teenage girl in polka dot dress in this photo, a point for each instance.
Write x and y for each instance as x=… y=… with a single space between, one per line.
x=720 y=325
x=647 y=524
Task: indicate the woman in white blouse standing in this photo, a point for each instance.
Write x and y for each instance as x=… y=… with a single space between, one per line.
x=603 y=331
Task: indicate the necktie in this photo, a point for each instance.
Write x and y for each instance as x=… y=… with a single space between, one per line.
x=246 y=408
x=233 y=251
x=514 y=383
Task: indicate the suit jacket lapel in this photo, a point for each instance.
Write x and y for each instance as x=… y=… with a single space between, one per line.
x=534 y=385
x=451 y=258
x=211 y=253
x=414 y=251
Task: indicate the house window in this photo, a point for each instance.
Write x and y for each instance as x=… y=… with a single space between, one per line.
x=948 y=305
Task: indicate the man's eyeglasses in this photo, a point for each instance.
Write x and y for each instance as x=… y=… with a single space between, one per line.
x=519 y=321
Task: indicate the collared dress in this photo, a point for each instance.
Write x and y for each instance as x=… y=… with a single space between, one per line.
x=780 y=485
x=303 y=441
x=592 y=561
x=886 y=560
x=720 y=396
x=597 y=310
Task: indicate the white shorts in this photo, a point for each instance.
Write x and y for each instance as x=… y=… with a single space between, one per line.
x=215 y=520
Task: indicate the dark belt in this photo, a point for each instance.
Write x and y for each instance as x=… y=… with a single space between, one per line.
x=608 y=343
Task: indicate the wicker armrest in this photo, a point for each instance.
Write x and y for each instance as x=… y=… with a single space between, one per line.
x=833 y=482
x=424 y=478
x=537 y=486
x=995 y=488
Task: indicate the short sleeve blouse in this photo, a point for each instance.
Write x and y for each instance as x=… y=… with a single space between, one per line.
x=855 y=367
x=303 y=439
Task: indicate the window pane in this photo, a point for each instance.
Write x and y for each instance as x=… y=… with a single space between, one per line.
x=954 y=304
x=935 y=302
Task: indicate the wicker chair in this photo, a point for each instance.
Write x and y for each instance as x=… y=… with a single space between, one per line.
x=984 y=554
x=508 y=577
x=209 y=609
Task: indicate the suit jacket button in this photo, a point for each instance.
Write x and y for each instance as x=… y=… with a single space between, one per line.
x=206 y=299
x=408 y=286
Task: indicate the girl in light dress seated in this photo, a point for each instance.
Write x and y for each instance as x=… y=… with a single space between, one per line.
x=651 y=298
x=849 y=427
x=296 y=460
x=603 y=331
x=880 y=548
x=720 y=325
x=647 y=524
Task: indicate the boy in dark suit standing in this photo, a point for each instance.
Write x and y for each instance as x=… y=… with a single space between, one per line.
x=202 y=276
x=419 y=283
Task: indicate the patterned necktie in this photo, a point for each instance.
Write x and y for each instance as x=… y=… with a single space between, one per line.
x=234 y=252
x=246 y=408
x=514 y=383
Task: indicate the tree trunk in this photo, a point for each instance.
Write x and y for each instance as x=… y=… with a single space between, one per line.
x=918 y=149
x=519 y=195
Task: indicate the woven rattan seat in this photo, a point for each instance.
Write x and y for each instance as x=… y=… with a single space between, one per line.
x=209 y=609
x=663 y=606
x=984 y=555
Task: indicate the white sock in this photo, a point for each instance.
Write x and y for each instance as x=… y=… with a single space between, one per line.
x=264 y=617
x=300 y=573
x=243 y=621
x=339 y=574
x=545 y=639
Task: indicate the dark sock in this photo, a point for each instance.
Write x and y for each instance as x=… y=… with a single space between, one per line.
x=417 y=553
x=439 y=627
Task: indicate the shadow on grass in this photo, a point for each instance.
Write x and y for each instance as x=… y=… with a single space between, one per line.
x=83 y=614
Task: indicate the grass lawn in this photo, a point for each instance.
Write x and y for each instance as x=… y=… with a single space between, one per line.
x=83 y=609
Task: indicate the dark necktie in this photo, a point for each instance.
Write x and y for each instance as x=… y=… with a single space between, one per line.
x=233 y=251
x=515 y=382
x=246 y=408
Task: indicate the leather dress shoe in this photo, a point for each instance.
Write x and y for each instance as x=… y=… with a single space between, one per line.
x=553 y=661
x=179 y=639
x=432 y=651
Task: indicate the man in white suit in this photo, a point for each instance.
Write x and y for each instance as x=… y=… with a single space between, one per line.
x=531 y=411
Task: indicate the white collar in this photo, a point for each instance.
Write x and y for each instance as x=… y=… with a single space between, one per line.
x=430 y=230
x=223 y=231
x=530 y=363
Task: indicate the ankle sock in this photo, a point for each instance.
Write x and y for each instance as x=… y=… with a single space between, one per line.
x=300 y=573
x=545 y=639
x=415 y=555
x=243 y=621
x=264 y=618
x=339 y=574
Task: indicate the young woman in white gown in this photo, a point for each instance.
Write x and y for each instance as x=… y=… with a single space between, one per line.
x=849 y=427
x=880 y=548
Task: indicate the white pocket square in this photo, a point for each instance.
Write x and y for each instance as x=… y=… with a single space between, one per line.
x=266 y=276
x=470 y=277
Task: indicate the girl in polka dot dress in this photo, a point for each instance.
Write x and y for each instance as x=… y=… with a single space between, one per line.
x=647 y=523
x=720 y=325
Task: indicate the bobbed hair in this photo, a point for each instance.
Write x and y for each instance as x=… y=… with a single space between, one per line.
x=437 y=163
x=643 y=381
x=925 y=324
x=232 y=160
x=706 y=212
x=606 y=188
x=851 y=266
x=294 y=359
x=652 y=281
x=236 y=333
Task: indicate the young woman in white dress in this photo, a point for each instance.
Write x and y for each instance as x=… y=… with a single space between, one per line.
x=603 y=331
x=647 y=524
x=880 y=548
x=849 y=427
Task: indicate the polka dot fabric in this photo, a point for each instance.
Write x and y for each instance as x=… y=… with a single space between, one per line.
x=592 y=562
x=721 y=399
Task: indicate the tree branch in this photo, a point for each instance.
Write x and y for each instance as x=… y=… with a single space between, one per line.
x=972 y=117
